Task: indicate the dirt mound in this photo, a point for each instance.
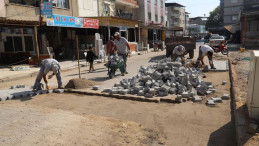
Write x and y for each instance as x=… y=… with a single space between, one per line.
x=80 y=83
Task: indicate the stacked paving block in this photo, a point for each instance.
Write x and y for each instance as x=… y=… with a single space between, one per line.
x=165 y=78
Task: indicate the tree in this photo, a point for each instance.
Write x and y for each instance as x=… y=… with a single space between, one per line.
x=215 y=18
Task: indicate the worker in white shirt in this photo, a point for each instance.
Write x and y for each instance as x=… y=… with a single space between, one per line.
x=46 y=66
x=205 y=50
x=179 y=51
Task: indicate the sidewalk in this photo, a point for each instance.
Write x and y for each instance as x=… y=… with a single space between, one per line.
x=7 y=75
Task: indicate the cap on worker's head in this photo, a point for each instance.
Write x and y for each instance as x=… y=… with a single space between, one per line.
x=55 y=68
x=116 y=34
x=180 y=47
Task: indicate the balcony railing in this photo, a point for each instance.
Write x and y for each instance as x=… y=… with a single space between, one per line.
x=122 y=14
x=129 y=3
x=251 y=2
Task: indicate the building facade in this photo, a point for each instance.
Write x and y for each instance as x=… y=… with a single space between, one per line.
x=152 y=15
x=23 y=30
x=249 y=24
x=231 y=10
x=176 y=19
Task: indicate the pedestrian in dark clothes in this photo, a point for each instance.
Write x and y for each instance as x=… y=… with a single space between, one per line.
x=90 y=57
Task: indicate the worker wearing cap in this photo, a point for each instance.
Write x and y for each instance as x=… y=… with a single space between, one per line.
x=46 y=66
x=179 y=51
x=205 y=50
x=122 y=47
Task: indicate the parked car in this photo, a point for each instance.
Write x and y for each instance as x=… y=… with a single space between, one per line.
x=216 y=40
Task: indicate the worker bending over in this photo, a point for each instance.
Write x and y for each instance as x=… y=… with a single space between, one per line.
x=179 y=51
x=205 y=50
x=46 y=66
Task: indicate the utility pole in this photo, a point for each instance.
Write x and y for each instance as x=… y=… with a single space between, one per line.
x=36 y=34
x=78 y=57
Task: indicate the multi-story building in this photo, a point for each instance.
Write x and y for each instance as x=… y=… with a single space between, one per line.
x=118 y=16
x=176 y=19
x=23 y=30
x=152 y=14
x=187 y=19
x=249 y=24
x=231 y=10
x=22 y=25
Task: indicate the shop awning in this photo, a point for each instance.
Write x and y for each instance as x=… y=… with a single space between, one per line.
x=117 y=22
x=233 y=28
x=4 y=21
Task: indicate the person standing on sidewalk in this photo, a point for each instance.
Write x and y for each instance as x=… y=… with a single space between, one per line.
x=90 y=57
x=121 y=45
x=46 y=66
x=205 y=50
x=110 y=47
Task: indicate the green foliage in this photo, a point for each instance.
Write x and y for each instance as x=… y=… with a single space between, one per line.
x=215 y=18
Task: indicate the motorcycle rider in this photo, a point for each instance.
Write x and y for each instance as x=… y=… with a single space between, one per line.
x=205 y=50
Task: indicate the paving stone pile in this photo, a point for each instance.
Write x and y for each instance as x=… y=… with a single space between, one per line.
x=165 y=78
x=22 y=91
x=114 y=60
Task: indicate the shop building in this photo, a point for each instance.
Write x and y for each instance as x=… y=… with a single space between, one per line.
x=152 y=14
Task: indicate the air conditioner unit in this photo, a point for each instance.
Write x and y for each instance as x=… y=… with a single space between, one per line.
x=253 y=84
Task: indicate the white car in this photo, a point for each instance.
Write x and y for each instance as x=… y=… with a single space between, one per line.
x=216 y=40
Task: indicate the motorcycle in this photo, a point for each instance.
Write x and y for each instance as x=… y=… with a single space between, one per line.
x=222 y=48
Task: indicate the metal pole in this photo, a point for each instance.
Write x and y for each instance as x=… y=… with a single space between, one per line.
x=78 y=58
x=37 y=44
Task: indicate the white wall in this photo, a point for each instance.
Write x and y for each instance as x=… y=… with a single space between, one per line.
x=143 y=9
x=87 y=8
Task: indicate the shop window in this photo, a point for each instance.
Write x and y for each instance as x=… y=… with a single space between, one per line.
x=60 y=3
x=234 y=18
x=8 y=44
x=149 y=16
x=34 y=3
x=234 y=1
x=13 y=43
x=18 y=43
x=28 y=40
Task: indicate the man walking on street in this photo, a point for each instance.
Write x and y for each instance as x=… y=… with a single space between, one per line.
x=205 y=50
x=179 y=51
x=121 y=45
x=110 y=47
x=46 y=66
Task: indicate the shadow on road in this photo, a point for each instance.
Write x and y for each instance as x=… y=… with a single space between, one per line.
x=101 y=79
x=157 y=58
x=224 y=136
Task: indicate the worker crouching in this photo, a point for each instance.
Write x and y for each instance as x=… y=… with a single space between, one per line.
x=179 y=51
x=46 y=66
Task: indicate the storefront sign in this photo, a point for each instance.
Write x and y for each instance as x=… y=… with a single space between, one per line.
x=64 y=21
x=46 y=8
x=91 y=23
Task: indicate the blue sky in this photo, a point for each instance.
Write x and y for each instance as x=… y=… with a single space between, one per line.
x=198 y=7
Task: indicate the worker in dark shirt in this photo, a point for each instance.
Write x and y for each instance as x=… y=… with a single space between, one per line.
x=90 y=57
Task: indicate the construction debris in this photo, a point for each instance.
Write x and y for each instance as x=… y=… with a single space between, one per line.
x=165 y=78
x=225 y=97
